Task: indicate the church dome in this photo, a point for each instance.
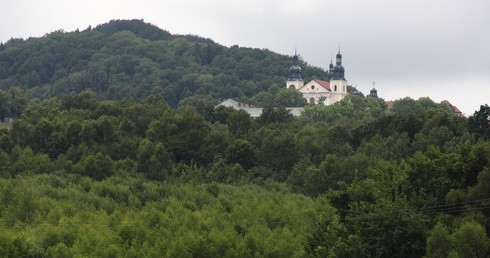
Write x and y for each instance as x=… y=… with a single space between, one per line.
x=295 y=70
x=373 y=93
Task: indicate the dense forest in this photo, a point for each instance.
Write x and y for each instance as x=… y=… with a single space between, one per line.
x=133 y=59
x=157 y=171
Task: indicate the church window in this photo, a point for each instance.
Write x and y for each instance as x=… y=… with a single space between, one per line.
x=335 y=88
x=312 y=87
x=291 y=87
x=312 y=101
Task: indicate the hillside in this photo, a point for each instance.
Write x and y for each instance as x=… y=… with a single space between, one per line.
x=134 y=59
x=107 y=168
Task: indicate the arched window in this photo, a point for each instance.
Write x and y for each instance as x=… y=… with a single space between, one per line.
x=312 y=101
x=291 y=87
x=312 y=87
x=335 y=88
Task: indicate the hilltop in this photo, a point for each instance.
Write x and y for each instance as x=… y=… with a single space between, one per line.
x=134 y=59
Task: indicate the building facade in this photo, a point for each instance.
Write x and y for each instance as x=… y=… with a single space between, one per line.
x=324 y=92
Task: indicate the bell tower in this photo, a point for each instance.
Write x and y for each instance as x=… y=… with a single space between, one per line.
x=330 y=70
x=338 y=83
x=338 y=72
x=294 y=79
x=373 y=93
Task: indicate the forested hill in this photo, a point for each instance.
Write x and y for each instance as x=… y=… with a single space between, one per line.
x=84 y=176
x=134 y=59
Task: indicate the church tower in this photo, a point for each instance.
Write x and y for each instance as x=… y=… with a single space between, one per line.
x=295 y=81
x=330 y=70
x=338 y=83
x=373 y=93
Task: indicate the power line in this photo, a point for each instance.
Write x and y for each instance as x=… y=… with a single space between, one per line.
x=474 y=205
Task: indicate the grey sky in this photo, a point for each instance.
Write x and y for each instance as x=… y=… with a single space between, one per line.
x=415 y=48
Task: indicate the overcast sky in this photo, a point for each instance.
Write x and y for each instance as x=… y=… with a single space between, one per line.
x=416 y=48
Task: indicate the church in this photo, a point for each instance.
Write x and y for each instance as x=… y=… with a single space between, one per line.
x=320 y=91
x=315 y=92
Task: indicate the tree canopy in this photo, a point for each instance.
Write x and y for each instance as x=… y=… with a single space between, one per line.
x=117 y=149
x=134 y=59
x=82 y=176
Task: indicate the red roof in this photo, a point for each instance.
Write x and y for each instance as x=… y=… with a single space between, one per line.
x=324 y=84
x=389 y=104
x=453 y=108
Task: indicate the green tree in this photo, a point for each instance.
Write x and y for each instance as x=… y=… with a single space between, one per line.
x=154 y=161
x=264 y=98
x=278 y=153
x=140 y=115
x=326 y=234
x=239 y=123
x=6 y=143
x=305 y=177
x=83 y=100
x=146 y=150
x=204 y=105
x=388 y=230
x=309 y=140
x=106 y=129
x=21 y=131
x=288 y=98
x=18 y=101
x=182 y=132
x=97 y=166
x=471 y=240
x=5 y=103
x=73 y=131
x=479 y=122
x=439 y=242
x=241 y=152
x=275 y=115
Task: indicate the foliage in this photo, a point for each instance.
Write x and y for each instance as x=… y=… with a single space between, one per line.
x=122 y=215
x=479 y=122
x=103 y=164
x=133 y=59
